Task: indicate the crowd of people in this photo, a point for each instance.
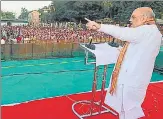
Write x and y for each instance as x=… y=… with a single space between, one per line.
x=27 y=34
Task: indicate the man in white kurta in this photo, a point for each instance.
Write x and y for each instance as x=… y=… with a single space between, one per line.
x=138 y=63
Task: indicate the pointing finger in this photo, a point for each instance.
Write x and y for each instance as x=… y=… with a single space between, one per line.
x=87 y=19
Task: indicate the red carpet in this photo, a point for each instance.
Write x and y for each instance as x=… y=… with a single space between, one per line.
x=61 y=107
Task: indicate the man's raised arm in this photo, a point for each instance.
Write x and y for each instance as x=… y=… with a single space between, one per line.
x=122 y=33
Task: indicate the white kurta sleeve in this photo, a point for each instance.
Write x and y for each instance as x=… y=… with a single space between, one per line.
x=124 y=33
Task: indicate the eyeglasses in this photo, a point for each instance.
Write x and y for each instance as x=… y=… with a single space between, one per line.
x=134 y=17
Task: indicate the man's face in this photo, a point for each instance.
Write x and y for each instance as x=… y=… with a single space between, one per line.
x=136 y=19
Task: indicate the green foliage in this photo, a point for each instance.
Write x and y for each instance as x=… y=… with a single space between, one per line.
x=125 y=8
x=24 y=14
x=7 y=15
x=76 y=11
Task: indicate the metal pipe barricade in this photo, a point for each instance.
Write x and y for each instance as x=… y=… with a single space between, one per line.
x=100 y=104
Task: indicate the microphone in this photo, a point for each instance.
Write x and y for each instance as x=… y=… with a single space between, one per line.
x=90 y=45
x=113 y=44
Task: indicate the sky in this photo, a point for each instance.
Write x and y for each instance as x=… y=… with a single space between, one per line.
x=15 y=6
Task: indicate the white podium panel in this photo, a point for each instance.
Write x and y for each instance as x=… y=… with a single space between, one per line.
x=104 y=53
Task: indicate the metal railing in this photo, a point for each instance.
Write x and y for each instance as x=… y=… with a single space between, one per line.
x=33 y=50
x=44 y=49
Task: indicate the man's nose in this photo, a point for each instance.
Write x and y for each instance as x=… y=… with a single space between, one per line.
x=130 y=20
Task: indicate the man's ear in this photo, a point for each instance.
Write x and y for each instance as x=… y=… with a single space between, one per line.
x=144 y=19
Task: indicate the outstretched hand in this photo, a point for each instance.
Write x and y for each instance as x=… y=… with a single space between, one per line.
x=92 y=25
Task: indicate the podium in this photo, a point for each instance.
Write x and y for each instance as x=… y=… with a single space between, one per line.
x=104 y=55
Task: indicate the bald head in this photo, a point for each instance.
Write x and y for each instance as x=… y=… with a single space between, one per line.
x=141 y=16
x=146 y=11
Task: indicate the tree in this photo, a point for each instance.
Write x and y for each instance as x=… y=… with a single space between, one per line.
x=7 y=15
x=77 y=10
x=122 y=10
x=116 y=10
x=24 y=14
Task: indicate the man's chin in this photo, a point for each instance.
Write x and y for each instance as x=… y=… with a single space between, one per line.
x=131 y=25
